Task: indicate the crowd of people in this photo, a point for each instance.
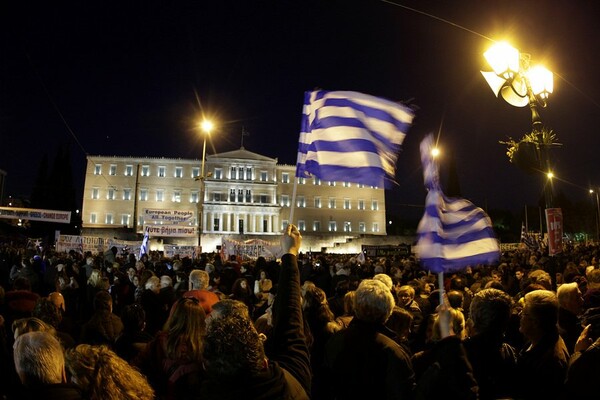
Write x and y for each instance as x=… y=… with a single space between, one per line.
x=110 y=326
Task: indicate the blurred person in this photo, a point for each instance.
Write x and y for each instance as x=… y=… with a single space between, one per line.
x=103 y=327
x=134 y=337
x=198 y=288
x=570 y=307
x=156 y=310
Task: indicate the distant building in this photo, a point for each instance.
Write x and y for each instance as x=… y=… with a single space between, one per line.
x=247 y=195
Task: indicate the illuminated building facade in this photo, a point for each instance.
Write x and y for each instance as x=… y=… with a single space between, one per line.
x=247 y=195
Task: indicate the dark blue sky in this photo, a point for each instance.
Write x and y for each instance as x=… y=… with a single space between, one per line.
x=132 y=79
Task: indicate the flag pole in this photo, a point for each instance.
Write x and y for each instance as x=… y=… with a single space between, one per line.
x=444 y=328
x=293 y=205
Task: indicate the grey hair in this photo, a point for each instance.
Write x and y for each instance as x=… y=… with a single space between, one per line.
x=565 y=293
x=39 y=358
x=374 y=301
x=199 y=279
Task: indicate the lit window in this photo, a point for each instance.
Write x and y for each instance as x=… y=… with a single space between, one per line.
x=177 y=196
x=194 y=196
x=264 y=198
x=95 y=193
x=284 y=224
x=362 y=227
x=125 y=219
x=248 y=196
x=145 y=170
x=178 y=172
x=143 y=194
x=248 y=173
x=317 y=202
x=347 y=204
x=375 y=227
x=263 y=176
x=331 y=183
x=129 y=170
x=361 y=204
x=360 y=185
x=301 y=225
x=332 y=202
x=216 y=222
x=110 y=194
x=316 y=226
x=317 y=181
x=127 y=194
x=160 y=195
x=285 y=200
x=285 y=177
x=195 y=172
x=162 y=172
x=109 y=219
x=301 y=202
x=232 y=195
x=332 y=226
x=347 y=184
x=301 y=181
x=374 y=205
x=112 y=170
x=241 y=173
x=93 y=218
x=347 y=226
x=216 y=196
x=98 y=169
x=218 y=173
x=233 y=173
x=240 y=196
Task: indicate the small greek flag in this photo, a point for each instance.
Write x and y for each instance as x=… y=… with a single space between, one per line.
x=453 y=233
x=351 y=137
x=144 y=247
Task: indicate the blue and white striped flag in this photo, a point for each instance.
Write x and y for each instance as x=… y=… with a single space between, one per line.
x=351 y=137
x=453 y=233
x=144 y=247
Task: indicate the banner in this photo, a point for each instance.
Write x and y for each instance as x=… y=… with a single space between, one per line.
x=554 y=222
x=173 y=217
x=402 y=250
x=95 y=245
x=171 y=230
x=250 y=249
x=33 y=214
x=171 y=251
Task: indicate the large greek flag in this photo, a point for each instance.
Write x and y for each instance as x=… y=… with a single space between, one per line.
x=351 y=137
x=453 y=233
x=144 y=246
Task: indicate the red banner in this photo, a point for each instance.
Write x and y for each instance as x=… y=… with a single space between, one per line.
x=554 y=222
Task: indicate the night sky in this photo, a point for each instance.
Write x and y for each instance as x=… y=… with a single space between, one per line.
x=134 y=79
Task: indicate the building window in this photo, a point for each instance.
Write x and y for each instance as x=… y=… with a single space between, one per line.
x=375 y=227
x=316 y=226
x=93 y=218
x=240 y=173
x=194 y=196
x=264 y=198
x=331 y=183
x=360 y=185
x=263 y=176
x=248 y=173
x=129 y=170
x=125 y=219
x=195 y=172
x=162 y=171
x=347 y=204
x=248 y=196
x=374 y=205
x=140 y=220
x=98 y=169
x=240 y=197
x=95 y=193
x=216 y=222
x=347 y=184
x=301 y=181
x=284 y=224
x=332 y=202
x=232 y=195
x=361 y=204
x=160 y=195
x=317 y=202
x=177 y=196
x=218 y=173
x=347 y=226
x=301 y=225
x=301 y=203
x=110 y=193
x=332 y=226
x=127 y=194
x=285 y=177
x=216 y=196
x=143 y=194
x=317 y=181
x=145 y=170
x=109 y=219
x=285 y=200
x=178 y=172
x=112 y=170
x=362 y=227
x=233 y=173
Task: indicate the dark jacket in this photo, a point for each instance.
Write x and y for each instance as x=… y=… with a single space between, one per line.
x=288 y=372
x=103 y=328
x=582 y=374
x=58 y=391
x=363 y=363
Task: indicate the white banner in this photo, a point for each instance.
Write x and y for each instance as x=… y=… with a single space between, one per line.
x=96 y=245
x=173 y=217
x=171 y=251
x=250 y=249
x=33 y=214
x=171 y=230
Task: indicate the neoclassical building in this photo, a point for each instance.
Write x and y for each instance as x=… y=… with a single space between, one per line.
x=246 y=195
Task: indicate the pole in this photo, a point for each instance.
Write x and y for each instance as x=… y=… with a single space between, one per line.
x=201 y=198
x=597 y=215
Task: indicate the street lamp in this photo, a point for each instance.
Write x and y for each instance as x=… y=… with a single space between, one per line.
x=207 y=126
x=521 y=84
x=597 y=213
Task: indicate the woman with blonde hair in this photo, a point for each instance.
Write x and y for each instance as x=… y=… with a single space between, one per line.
x=172 y=361
x=101 y=374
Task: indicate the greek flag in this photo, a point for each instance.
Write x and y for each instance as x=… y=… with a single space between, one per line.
x=453 y=233
x=144 y=247
x=351 y=137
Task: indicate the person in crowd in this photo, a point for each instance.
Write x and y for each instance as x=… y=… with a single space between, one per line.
x=198 y=288
x=156 y=311
x=102 y=375
x=47 y=311
x=234 y=354
x=173 y=361
x=406 y=300
x=494 y=361
x=167 y=291
x=103 y=327
x=542 y=364
x=400 y=322
x=20 y=301
x=134 y=336
x=570 y=307
x=241 y=291
x=363 y=361
x=344 y=320
x=262 y=286
x=40 y=365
